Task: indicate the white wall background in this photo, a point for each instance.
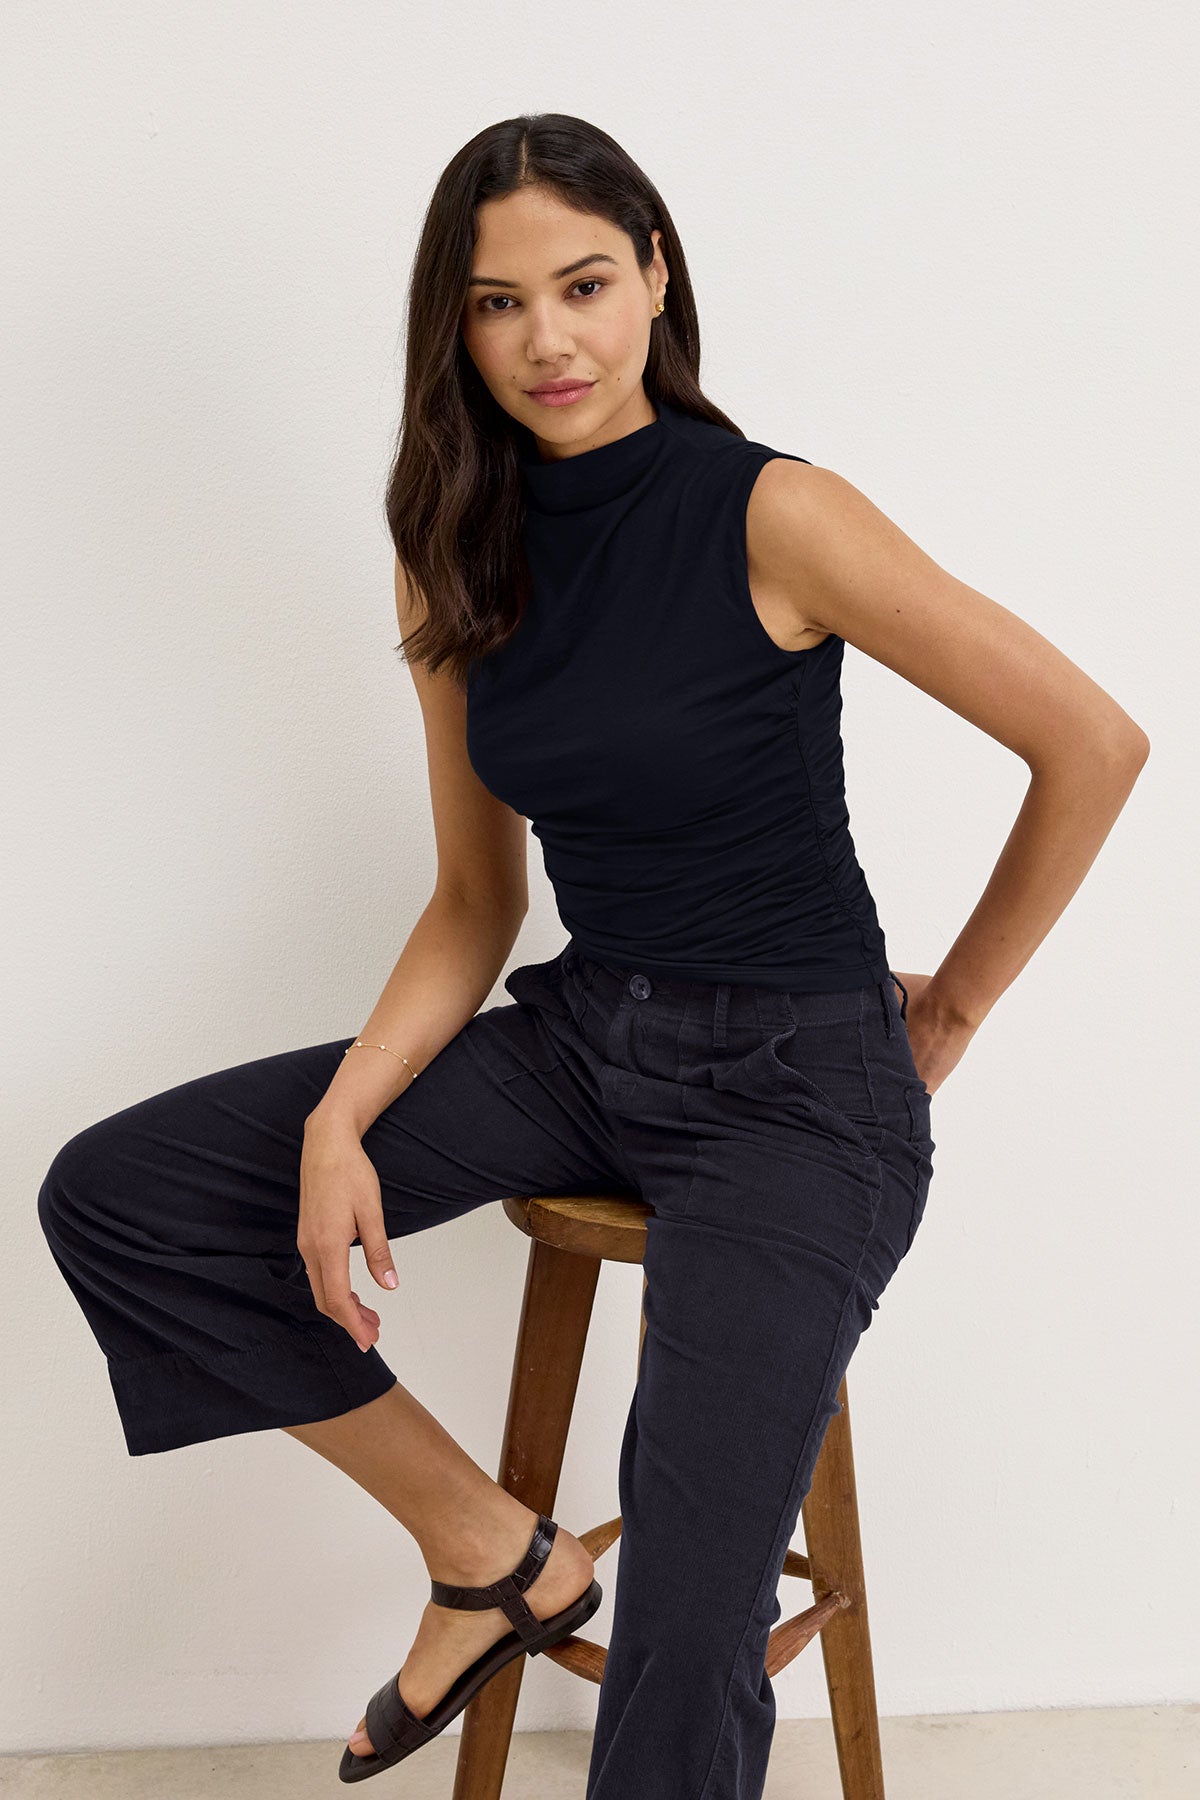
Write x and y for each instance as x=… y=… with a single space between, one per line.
x=951 y=256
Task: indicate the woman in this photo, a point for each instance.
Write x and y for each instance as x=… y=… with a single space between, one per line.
x=625 y=622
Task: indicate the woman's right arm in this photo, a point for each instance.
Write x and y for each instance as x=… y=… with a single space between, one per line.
x=448 y=967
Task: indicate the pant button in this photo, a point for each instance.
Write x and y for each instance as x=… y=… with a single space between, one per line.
x=639 y=986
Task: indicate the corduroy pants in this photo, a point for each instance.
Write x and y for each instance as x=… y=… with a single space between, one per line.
x=782 y=1140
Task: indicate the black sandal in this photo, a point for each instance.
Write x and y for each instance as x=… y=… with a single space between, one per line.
x=395 y=1730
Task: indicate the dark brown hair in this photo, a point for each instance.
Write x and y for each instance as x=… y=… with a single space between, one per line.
x=455 y=504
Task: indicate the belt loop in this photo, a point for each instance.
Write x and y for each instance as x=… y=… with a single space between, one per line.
x=720 y=1013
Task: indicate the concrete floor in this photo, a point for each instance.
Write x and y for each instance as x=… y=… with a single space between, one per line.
x=1123 y=1753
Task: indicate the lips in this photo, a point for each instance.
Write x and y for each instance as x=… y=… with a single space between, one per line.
x=562 y=393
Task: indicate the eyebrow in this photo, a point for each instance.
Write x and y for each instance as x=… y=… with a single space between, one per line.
x=555 y=274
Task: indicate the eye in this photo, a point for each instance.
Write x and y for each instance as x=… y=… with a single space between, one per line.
x=593 y=281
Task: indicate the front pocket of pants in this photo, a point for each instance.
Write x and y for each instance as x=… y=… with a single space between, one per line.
x=839 y=1082
x=791 y=1173
x=766 y=1074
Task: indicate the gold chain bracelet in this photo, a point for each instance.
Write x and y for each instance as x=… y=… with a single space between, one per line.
x=359 y=1045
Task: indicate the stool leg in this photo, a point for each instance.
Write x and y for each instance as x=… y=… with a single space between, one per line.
x=560 y=1287
x=831 y=1534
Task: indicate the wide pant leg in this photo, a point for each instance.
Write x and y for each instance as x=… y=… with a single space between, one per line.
x=174 y=1220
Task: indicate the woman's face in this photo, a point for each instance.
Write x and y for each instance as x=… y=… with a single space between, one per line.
x=557 y=294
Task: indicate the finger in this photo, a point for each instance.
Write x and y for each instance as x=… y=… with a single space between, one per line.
x=378 y=1252
x=338 y=1302
x=368 y=1312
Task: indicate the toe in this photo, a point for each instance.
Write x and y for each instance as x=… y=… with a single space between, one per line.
x=360 y=1743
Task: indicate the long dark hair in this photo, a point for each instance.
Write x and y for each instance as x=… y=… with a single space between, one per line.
x=455 y=505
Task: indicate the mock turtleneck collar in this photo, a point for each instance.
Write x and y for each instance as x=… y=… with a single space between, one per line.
x=590 y=477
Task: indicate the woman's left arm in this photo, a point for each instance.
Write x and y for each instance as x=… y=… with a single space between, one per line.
x=849 y=569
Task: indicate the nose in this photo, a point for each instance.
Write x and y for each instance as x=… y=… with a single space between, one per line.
x=549 y=341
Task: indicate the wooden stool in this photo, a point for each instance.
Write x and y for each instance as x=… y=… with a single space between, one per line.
x=572 y=1236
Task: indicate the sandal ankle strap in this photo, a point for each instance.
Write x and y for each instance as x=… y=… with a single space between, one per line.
x=509 y=1590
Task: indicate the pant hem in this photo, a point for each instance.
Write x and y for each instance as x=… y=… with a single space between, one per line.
x=169 y=1400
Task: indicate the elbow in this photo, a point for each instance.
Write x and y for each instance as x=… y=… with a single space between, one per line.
x=1119 y=741
x=1133 y=749
x=1118 y=751
x=1122 y=757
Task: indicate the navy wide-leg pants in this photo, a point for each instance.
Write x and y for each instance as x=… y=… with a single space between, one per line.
x=782 y=1140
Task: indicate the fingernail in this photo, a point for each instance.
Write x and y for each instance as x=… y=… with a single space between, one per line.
x=390 y=1279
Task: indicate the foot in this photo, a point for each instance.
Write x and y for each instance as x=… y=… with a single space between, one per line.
x=449 y=1640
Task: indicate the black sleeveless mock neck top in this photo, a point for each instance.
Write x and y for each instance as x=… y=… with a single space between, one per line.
x=682 y=772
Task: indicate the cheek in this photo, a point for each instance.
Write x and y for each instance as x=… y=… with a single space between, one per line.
x=622 y=342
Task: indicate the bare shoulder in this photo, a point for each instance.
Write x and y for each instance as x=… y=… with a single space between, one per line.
x=829 y=558
x=791 y=503
x=775 y=514
x=812 y=536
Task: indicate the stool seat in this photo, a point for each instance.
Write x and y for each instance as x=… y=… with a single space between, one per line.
x=607 y=1226
x=572 y=1235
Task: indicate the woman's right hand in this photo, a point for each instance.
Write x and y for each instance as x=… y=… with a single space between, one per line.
x=340 y=1200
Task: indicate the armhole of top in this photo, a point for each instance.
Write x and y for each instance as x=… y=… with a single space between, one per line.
x=743 y=597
